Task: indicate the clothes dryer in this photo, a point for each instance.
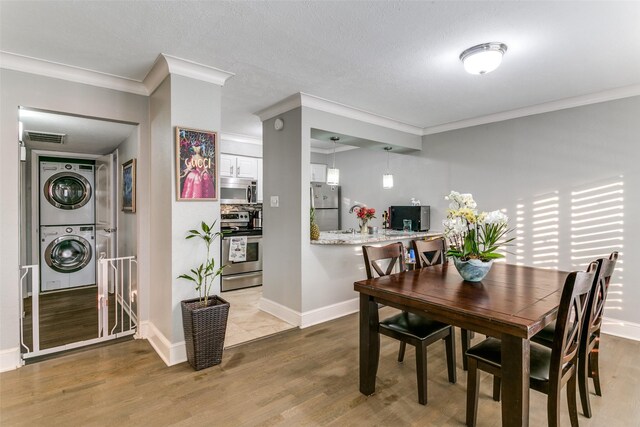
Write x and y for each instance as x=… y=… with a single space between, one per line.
x=67 y=192
x=67 y=257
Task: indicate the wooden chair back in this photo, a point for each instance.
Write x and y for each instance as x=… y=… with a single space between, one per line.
x=393 y=252
x=429 y=252
x=573 y=308
x=599 y=293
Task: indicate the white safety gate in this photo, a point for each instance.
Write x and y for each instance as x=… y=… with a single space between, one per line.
x=116 y=304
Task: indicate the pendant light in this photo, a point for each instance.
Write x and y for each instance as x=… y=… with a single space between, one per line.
x=483 y=58
x=387 y=178
x=333 y=174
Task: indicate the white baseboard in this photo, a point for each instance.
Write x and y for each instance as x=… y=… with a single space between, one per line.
x=311 y=317
x=280 y=311
x=10 y=359
x=171 y=354
x=329 y=312
x=621 y=328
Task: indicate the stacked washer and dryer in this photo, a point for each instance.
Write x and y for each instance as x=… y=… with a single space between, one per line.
x=67 y=224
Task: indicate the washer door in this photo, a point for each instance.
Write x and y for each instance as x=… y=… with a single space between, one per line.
x=68 y=254
x=67 y=190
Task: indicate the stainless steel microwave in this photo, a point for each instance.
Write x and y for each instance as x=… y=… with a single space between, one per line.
x=238 y=191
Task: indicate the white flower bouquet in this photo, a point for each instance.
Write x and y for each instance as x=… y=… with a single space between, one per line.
x=473 y=235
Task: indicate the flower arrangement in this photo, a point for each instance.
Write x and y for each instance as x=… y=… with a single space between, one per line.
x=472 y=235
x=364 y=214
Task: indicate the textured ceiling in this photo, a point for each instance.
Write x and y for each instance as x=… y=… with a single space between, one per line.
x=395 y=59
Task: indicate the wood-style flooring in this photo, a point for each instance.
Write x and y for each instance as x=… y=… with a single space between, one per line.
x=69 y=316
x=296 y=378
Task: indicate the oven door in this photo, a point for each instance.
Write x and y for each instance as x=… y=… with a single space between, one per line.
x=252 y=262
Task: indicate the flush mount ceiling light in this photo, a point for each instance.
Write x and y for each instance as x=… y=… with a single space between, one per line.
x=483 y=58
x=333 y=174
x=387 y=178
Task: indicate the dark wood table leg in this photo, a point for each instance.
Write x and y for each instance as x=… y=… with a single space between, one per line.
x=369 y=344
x=515 y=381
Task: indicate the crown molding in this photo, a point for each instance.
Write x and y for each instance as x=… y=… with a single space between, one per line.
x=162 y=67
x=236 y=137
x=343 y=110
x=167 y=64
x=547 y=107
x=26 y=64
x=280 y=107
x=301 y=99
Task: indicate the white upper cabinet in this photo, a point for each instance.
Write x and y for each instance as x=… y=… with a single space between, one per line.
x=238 y=166
x=318 y=172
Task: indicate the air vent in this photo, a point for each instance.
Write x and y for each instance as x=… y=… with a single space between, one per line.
x=47 y=137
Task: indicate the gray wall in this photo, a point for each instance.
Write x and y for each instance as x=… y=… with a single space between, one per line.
x=284 y=177
x=22 y=89
x=127 y=224
x=546 y=164
x=179 y=101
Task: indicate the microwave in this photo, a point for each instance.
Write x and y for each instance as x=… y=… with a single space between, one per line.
x=238 y=191
x=420 y=217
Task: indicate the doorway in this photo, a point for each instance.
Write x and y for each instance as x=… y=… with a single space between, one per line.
x=79 y=282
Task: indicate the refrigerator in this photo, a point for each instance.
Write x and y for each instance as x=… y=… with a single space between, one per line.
x=326 y=201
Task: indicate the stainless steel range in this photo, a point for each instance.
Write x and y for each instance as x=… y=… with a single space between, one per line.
x=248 y=272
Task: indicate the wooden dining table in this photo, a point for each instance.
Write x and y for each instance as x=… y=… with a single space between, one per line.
x=512 y=303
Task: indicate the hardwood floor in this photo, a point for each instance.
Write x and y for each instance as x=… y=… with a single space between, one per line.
x=300 y=377
x=69 y=316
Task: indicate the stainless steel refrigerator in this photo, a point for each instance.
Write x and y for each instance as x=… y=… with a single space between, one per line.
x=326 y=201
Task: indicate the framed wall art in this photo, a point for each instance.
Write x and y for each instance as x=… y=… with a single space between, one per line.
x=128 y=179
x=196 y=164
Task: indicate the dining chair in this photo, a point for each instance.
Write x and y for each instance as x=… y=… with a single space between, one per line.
x=410 y=328
x=550 y=369
x=588 y=355
x=434 y=252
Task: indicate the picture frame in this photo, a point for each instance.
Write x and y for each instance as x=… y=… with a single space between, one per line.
x=128 y=179
x=197 y=160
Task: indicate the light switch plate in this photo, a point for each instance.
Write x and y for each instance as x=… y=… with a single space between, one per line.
x=275 y=201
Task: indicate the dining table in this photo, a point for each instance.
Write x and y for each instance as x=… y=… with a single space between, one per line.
x=513 y=303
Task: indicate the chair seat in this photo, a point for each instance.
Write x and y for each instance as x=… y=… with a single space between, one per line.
x=488 y=351
x=414 y=325
x=545 y=336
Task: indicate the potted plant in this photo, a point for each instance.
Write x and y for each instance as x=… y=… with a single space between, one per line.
x=204 y=319
x=474 y=238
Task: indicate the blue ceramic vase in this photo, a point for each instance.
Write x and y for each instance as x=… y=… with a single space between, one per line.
x=472 y=270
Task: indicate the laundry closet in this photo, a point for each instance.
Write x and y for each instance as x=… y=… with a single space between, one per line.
x=78 y=229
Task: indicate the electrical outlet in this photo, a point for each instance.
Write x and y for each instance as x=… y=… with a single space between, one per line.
x=275 y=201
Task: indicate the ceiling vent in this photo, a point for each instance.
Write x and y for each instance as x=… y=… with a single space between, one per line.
x=46 y=137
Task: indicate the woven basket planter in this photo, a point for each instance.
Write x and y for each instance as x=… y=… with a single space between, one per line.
x=204 y=330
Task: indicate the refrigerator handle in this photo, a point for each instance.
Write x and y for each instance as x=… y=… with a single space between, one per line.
x=313 y=204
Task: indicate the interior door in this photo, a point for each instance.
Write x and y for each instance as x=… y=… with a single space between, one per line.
x=106 y=184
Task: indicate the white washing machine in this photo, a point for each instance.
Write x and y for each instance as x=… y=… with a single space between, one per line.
x=67 y=257
x=67 y=192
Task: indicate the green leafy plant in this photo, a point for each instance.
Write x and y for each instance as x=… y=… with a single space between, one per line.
x=204 y=275
x=474 y=235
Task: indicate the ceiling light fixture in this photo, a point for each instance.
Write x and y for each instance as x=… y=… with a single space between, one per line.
x=333 y=174
x=483 y=58
x=387 y=178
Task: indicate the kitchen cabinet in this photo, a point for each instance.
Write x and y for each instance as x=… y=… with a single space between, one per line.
x=238 y=166
x=260 y=175
x=318 y=172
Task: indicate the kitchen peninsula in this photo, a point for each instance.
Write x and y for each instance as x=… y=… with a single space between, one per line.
x=330 y=266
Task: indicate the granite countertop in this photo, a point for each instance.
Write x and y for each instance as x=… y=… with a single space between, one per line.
x=343 y=238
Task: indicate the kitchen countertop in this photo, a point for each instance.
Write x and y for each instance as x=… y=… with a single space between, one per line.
x=343 y=238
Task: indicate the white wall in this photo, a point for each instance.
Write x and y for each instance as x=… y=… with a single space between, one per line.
x=241 y=148
x=22 y=89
